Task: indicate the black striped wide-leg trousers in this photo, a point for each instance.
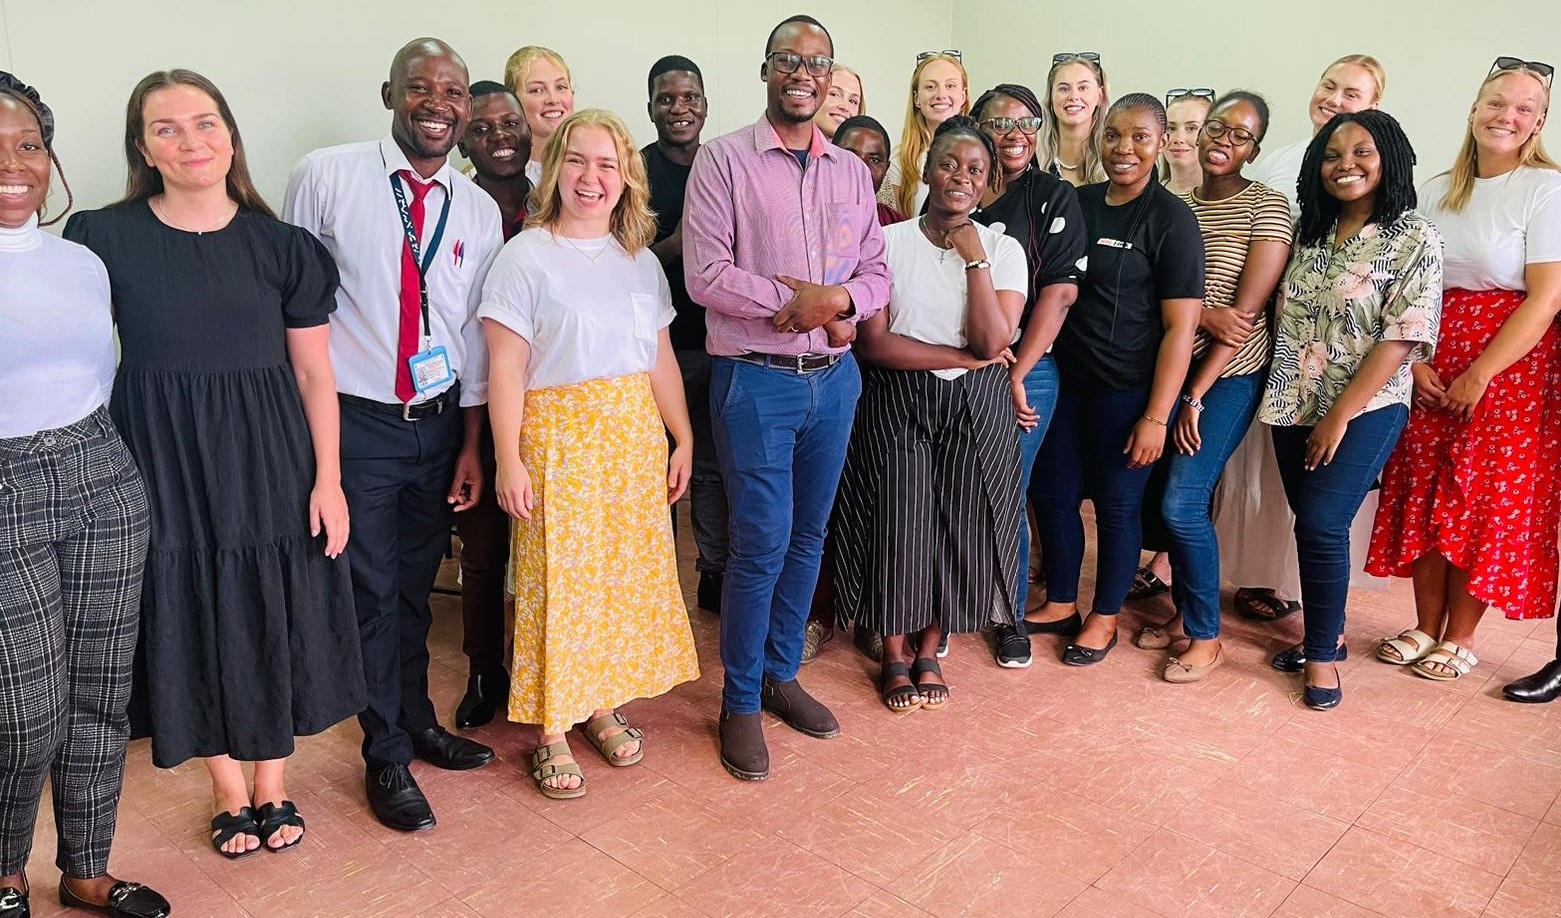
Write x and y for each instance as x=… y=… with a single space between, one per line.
x=926 y=525
x=73 y=537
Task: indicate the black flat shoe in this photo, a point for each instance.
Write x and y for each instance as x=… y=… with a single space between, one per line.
x=398 y=803
x=1293 y=660
x=1322 y=699
x=1067 y=627
x=125 y=900
x=443 y=749
x=13 y=903
x=1542 y=687
x=709 y=595
x=484 y=694
x=1075 y=655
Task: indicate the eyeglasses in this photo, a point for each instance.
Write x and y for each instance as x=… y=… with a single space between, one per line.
x=1544 y=70
x=1092 y=56
x=1239 y=137
x=788 y=62
x=1003 y=126
x=1202 y=92
x=955 y=53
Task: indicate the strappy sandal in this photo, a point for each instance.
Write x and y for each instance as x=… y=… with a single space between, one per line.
x=1411 y=646
x=1447 y=662
x=1263 y=605
x=1147 y=585
x=273 y=818
x=542 y=770
x=929 y=689
x=608 y=747
x=892 y=697
x=229 y=826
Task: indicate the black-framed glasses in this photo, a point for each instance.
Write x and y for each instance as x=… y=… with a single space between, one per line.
x=1065 y=56
x=1544 y=70
x=955 y=53
x=1003 y=126
x=1201 y=92
x=787 y=62
x=1239 y=137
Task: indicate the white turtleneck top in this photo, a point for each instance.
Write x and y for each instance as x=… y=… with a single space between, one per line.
x=56 y=332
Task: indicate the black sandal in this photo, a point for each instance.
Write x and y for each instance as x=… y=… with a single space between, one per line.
x=274 y=818
x=227 y=826
x=900 y=692
x=1147 y=585
x=1263 y=605
x=930 y=689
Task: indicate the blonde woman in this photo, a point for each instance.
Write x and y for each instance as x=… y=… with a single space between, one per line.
x=583 y=390
x=540 y=79
x=1077 y=98
x=1187 y=109
x=845 y=99
x=940 y=89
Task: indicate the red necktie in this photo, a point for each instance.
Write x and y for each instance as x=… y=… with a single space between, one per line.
x=410 y=339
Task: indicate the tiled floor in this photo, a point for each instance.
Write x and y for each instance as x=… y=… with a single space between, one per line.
x=1082 y=793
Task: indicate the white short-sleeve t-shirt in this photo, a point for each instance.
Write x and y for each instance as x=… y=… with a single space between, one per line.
x=927 y=298
x=1280 y=169
x=1510 y=222
x=588 y=309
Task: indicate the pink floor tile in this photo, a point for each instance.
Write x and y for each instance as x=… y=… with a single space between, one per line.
x=1518 y=900
x=1079 y=838
x=975 y=876
x=1458 y=827
x=1177 y=876
x=1396 y=878
x=671 y=839
x=1313 y=777
x=1255 y=827
x=571 y=880
x=1306 y=902
x=780 y=880
x=1539 y=865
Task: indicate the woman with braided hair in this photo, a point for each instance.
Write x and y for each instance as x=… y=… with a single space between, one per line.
x=73 y=535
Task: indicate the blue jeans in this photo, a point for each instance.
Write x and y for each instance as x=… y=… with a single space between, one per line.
x=1082 y=456
x=781 y=440
x=1228 y=408
x=1040 y=390
x=1324 y=502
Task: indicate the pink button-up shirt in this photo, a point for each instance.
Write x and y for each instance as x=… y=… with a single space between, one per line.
x=752 y=212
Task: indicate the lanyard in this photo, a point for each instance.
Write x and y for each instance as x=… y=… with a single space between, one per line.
x=423 y=260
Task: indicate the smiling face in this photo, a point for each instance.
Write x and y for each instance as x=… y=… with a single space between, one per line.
x=427 y=96
x=1185 y=116
x=498 y=140
x=1351 y=167
x=1015 y=149
x=1076 y=93
x=677 y=107
x=590 y=180
x=940 y=92
x=547 y=97
x=1222 y=156
x=870 y=149
x=24 y=164
x=1510 y=111
x=185 y=139
x=1133 y=139
x=844 y=100
x=958 y=172
x=1343 y=88
x=797 y=96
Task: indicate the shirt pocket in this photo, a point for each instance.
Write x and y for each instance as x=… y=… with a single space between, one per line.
x=646 y=308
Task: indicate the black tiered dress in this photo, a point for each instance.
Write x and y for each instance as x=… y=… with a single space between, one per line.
x=248 y=632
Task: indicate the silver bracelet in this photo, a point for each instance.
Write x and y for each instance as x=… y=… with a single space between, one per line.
x=1192 y=401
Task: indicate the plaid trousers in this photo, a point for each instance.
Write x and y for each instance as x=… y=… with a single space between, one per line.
x=73 y=536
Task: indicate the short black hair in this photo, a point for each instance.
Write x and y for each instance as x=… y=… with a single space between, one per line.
x=807 y=20
x=487 y=88
x=672 y=63
x=861 y=123
x=1251 y=98
x=1395 y=193
x=962 y=126
x=1135 y=101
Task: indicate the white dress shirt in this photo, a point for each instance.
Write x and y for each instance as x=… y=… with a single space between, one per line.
x=342 y=195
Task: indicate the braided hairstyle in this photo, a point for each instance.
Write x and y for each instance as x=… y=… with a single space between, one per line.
x=14 y=88
x=1021 y=94
x=1394 y=195
x=964 y=126
x=1136 y=101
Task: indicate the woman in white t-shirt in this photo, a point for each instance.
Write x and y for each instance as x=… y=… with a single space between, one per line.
x=1471 y=498
x=927 y=519
x=583 y=390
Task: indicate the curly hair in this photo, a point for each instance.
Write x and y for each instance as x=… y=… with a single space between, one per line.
x=633 y=222
x=14 y=88
x=1395 y=194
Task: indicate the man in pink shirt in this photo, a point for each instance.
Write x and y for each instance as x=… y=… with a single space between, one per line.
x=782 y=247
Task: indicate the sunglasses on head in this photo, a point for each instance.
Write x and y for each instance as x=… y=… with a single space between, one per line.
x=1202 y=92
x=1544 y=70
x=1092 y=56
x=955 y=53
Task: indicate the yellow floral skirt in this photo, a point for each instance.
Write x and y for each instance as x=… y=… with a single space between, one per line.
x=599 y=615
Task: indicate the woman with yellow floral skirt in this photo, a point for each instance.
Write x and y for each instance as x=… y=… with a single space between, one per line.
x=583 y=388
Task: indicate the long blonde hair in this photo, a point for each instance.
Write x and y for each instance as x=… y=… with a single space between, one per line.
x=1460 y=178
x=1091 y=166
x=633 y=223
x=916 y=137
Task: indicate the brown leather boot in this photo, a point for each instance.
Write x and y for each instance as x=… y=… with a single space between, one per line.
x=801 y=711
x=743 y=752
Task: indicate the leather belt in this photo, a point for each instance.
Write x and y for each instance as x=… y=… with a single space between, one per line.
x=411 y=411
x=796 y=363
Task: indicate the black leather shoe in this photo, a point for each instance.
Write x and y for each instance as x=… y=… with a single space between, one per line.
x=125 y=900
x=1293 y=660
x=743 y=752
x=1074 y=655
x=484 y=694
x=1323 y=699
x=1541 y=688
x=443 y=749
x=398 y=803
x=1067 y=627
x=13 y=903
x=710 y=584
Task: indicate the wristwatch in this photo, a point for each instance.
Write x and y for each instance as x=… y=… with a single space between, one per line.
x=1192 y=401
x=977 y=265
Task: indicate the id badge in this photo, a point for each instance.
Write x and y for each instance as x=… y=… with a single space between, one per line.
x=430 y=369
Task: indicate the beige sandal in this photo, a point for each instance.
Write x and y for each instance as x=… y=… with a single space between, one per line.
x=543 y=769
x=1447 y=656
x=1410 y=646
x=607 y=747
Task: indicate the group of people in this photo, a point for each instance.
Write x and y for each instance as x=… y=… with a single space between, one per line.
x=875 y=369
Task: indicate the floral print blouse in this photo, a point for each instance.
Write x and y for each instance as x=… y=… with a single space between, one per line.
x=1384 y=284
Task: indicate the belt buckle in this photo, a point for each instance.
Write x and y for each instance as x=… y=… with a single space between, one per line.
x=406 y=412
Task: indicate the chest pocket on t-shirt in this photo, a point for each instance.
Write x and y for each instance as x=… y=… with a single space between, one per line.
x=646 y=308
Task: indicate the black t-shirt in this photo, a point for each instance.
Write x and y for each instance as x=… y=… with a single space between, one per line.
x=668 y=180
x=1042 y=213
x=1140 y=253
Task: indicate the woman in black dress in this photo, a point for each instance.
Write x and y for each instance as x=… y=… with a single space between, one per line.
x=226 y=398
